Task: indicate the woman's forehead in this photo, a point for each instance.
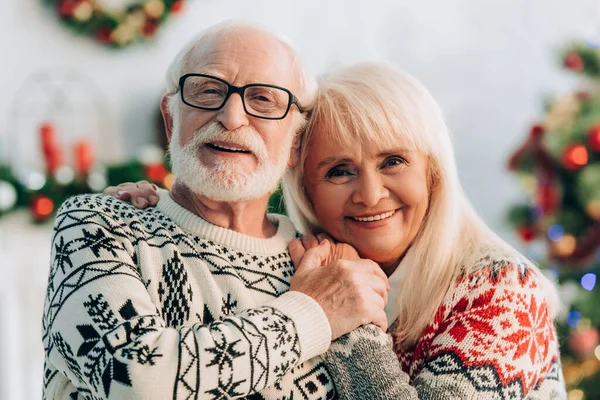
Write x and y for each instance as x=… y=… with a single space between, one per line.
x=345 y=142
x=325 y=146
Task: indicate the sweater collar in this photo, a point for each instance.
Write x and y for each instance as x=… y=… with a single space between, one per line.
x=195 y=225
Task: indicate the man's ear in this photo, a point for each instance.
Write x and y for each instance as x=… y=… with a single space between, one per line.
x=167 y=118
x=295 y=151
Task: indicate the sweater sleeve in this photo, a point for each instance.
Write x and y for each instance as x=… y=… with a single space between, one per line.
x=498 y=341
x=102 y=330
x=363 y=365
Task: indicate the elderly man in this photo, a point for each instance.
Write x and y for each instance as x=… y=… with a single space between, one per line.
x=196 y=298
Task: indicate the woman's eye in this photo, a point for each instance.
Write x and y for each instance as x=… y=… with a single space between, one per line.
x=338 y=172
x=393 y=162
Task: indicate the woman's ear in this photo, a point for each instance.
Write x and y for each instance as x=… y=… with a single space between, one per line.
x=167 y=117
x=295 y=151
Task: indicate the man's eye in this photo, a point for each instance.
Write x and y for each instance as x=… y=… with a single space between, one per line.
x=210 y=90
x=265 y=98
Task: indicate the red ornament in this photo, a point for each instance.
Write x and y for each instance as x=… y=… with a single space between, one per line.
x=41 y=207
x=84 y=156
x=103 y=35
x=149 y=28
x=177 y=7
x=156 y=172
x=66 y=8
x=548 y=197
x=583 y=341
x=536 y=131
x=574 y=62
x=594 y=137
x=527 y=233
x=575 y=156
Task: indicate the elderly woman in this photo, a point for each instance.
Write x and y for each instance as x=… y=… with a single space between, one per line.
x=472 y=318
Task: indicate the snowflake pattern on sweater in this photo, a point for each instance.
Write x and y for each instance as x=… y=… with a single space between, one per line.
x=139 y=307
x=493 y=337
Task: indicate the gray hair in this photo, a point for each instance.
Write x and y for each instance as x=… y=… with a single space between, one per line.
x=307 y=84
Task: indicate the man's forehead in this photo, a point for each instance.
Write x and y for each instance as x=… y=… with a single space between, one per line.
x=243 y=59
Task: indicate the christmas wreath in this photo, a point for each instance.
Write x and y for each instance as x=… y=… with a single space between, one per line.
x=116 y=26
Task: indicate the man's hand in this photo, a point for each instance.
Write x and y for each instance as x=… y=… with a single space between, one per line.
x=350 y=292
x=141 y=194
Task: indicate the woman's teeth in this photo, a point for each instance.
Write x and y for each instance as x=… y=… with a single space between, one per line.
x=374 y=217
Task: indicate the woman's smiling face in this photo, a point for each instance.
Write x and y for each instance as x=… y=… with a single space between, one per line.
x=372 y=197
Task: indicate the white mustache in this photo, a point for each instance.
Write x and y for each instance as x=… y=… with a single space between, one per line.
x=245 y=137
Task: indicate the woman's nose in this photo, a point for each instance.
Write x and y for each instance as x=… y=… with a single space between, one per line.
x=370 y=190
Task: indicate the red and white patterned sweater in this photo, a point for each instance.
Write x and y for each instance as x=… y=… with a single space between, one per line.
x=492 y=338
x=493 y=334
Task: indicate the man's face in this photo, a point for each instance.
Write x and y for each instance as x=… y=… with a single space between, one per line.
x=228 y=155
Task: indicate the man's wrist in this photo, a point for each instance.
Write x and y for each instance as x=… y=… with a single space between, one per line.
x=312 y=325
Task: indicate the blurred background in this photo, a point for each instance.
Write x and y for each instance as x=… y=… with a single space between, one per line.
x=81 y=82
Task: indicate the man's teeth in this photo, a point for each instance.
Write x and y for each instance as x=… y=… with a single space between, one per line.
x=227 y=148
x=374 y=217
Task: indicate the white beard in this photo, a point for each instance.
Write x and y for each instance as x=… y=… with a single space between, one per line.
x=227 y=181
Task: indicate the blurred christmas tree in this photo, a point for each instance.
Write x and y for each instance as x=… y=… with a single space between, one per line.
x=559 y=167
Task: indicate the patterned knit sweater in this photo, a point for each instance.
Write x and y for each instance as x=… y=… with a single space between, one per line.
x=160 y=304
x=491 y=338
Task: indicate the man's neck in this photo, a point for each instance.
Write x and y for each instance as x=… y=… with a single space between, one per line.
x=246 y=217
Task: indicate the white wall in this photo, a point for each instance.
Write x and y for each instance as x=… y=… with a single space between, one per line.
x=488 y=62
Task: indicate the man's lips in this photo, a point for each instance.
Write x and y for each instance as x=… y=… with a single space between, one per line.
x=228 y=148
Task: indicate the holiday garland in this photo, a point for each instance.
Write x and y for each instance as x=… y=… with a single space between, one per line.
x=44 y=191
x=116 y=28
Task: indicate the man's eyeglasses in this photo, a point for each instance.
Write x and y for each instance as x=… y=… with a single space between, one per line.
x=260 y=100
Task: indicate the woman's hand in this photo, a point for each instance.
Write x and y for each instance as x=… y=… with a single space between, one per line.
x=337 y=251
x=141 y=194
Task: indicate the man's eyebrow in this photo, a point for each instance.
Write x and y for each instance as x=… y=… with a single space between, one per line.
x=333 y=160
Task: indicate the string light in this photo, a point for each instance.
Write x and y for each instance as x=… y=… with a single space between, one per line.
x=573 y=319
x=556 y=233
x=593 y=209
x=64 y=175
x=8 y=196
x=575 y=156
x=35 y=181
x=588 y=281
x=42 y=207
x=575 y=394
x=565 y=246
x=96 y=181
x=168 y=181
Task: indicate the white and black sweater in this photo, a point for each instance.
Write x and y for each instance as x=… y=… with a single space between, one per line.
x=160 y=304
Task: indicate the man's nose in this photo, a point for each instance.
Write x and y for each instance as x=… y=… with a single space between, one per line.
x=233 y=115
x=369 y=190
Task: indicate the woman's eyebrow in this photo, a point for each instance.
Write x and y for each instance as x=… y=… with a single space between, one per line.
x=333 y=160
x=388 y=153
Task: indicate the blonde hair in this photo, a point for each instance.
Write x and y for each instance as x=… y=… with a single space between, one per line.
x=375 y=103
x=306 y=82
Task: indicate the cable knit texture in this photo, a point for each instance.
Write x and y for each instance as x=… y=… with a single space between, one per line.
x=492 y=338
x=160 y=304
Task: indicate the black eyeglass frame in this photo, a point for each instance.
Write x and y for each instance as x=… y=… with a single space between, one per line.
x=240 y=90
